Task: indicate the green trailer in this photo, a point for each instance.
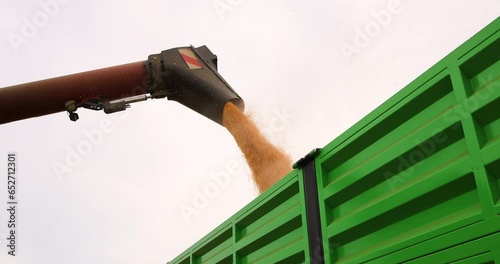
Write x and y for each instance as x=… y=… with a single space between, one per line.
x=415 y=181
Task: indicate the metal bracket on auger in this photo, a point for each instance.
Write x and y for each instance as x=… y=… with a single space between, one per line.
x=98 y=104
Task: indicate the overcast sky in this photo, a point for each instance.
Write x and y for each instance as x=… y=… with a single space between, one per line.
x=162 y=176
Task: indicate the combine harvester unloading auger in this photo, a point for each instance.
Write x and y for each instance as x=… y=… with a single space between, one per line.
x=187 y=75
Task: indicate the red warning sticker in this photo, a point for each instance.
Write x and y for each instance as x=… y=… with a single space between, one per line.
x=190 y=59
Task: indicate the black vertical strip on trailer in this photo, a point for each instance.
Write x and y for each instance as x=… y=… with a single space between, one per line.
x=307 y=165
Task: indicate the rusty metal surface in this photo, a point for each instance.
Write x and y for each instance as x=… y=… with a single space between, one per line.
x=49 y=96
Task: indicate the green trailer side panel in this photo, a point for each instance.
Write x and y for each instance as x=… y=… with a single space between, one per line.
x=422 y=166
x=415 y=181
x=460 y=245
x=271 y=229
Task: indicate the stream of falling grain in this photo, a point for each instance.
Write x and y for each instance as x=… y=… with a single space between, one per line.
x=267 y=162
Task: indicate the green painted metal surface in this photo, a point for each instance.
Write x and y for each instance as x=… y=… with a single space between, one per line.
x=418 y=179
x=415 y=181
x=271 y=229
